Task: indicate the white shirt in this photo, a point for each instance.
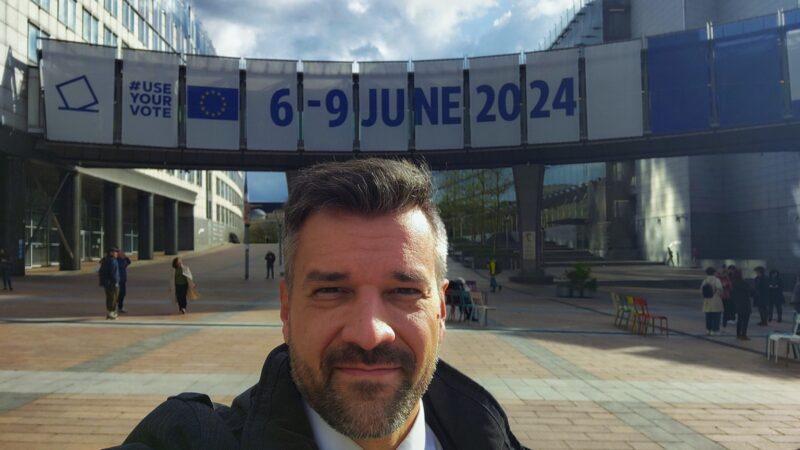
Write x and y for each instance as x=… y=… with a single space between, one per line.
x=419 y=437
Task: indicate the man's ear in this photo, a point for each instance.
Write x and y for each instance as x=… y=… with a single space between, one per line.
x=443 y=307
x=284 y=295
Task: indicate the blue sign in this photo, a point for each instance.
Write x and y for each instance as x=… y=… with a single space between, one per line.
x=151 y=99
x=77 y=95
x=213 y=103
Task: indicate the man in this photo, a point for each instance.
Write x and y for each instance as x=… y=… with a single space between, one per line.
x=5 y=270
x=362 y=306
x=109 y=280
x=270 y=264
x=123 y=261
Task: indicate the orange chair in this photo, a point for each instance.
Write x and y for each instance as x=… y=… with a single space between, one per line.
x=647 y=320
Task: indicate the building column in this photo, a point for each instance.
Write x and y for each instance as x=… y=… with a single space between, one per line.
x=112 y=216
x=12 y=211
x=145 y=216
x=529 y=184
x=69 y=207
x=170 y=226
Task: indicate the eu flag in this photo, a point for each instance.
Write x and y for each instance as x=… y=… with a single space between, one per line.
x=214 y=103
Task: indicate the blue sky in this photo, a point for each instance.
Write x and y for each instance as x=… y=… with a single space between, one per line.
x=373 y=30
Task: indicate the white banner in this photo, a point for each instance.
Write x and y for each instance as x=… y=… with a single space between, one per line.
x=439 y=104
x=553 y=109
x=494 y=101
x=212 y=103
x=614 y=90
x=793 y=47
x=383 y=103
x=272 y=119
x=150 y=98
x=78 y=85
x=328 y=106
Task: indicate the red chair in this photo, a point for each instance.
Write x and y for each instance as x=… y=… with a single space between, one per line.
x=647 y=320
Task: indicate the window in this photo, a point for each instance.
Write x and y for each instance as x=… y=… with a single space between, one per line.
x=144 y=31
x=111 y=7
x=66 y=12
x=90 y=26
x=109 y=37
x=44 y=4
x=127 y=16
x=34 y=33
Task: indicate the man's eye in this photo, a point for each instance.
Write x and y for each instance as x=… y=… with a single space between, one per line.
x=328 y=291
x=408 y=291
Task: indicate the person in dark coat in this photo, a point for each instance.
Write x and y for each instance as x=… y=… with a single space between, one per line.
x=109 y=280
x=740 y=293
x=363 y=319
x=761 y=295
x=796 y=294
x=124 y=262
x=270 y=258
x=5 y=270
x=776 y=299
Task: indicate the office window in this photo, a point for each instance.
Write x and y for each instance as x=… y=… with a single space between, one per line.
x=128 y=19
x=111 y=7
x=44 y=4
x=66 y=12
x=90 y=26
x=33 y=42
x=144 y=31
x=109 y=37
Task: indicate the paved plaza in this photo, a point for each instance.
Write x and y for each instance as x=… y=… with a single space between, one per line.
x=69 y=379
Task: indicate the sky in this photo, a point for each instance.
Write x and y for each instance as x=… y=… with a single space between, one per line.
x=372 y=30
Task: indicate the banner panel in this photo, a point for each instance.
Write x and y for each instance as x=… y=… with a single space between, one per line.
x=212 y=103
x=438 y=104
x=495 y=101
x=678 y=82
x=383 y=95
x=748 y=79
x=272 y=119
x=793 y=46
x=614 y=90
x=150 y=98
x=553 y=88
x=78 y=82
x=328 y=106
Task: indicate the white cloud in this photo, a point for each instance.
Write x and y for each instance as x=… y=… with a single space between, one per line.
x=535 y=9
x=357 y=6
x=502 y=20
x=231 y=39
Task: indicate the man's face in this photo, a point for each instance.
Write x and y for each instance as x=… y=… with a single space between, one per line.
x=364 y=318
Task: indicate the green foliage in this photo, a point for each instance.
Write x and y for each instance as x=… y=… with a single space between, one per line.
x=580 y=277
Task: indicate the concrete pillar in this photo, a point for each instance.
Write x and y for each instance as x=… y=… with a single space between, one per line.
x=529 y=184
x=170 y=226
x=12 y=211
x=145 y=217
x=112 y=216
x=69 y=208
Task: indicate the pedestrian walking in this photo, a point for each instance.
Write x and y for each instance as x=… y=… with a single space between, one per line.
x=670 y=261
x=5 y=270
x=711 y=288
x=776 y=299
x=181 y=283
x=761 y=295
x=123 y=261
x=270 y=258
x=728 y=309
x=740 y=293
x=109 y=280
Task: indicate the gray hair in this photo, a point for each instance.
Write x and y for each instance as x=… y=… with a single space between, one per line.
x=369 y=187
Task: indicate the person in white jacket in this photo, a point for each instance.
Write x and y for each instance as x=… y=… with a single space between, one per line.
x=712 y=301
x=181 y=283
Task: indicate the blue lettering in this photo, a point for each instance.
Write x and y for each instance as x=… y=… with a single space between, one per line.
x=502 y=106
x=431 y=108
x=483 y=115
x=372 y=109
x=281 y=111
x=448 y=105
x=336 y=103
x=400 y=117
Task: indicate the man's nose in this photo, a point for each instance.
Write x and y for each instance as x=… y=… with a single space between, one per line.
x=369 y=324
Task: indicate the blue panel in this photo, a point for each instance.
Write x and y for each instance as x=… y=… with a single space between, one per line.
x=748 y=75
x=792 y=18
x=752 y=25
x=678 y=79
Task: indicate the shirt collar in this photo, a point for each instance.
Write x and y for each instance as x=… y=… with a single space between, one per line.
x=420 y=437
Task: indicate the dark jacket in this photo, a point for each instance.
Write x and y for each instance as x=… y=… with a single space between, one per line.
x=109 y=272
x=775 y=286
x=270 y=415
x=740 y=293
x=761 y=294
x=123 y=262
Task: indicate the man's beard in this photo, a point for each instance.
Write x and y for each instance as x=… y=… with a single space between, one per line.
x=362 y=410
